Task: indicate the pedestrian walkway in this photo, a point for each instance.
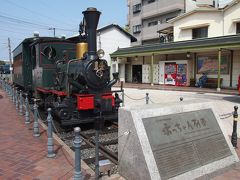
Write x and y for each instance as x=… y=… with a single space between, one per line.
x=178 y=88
x=23 y=156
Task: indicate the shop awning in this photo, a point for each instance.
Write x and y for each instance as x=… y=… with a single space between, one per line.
x=196 y=45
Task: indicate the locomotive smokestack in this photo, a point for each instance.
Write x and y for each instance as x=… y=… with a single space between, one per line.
x=91 y=16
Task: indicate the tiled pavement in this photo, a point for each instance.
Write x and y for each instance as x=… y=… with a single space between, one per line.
x=23 y=156
x=177 y=88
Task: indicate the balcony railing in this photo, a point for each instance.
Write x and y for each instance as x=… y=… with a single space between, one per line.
x=152 y=31
x=161 y=7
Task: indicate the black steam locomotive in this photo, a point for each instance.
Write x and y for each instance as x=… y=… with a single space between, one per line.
x=74 y=82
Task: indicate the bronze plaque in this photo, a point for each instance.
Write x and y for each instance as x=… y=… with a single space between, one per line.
x=185 y=141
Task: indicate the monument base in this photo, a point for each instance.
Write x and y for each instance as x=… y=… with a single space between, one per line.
x=172 y=141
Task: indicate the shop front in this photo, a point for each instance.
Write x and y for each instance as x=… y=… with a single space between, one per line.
x=183 y=63
x=173 y=72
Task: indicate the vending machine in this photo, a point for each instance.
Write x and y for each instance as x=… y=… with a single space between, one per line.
x=170 y=73
x=181 y=77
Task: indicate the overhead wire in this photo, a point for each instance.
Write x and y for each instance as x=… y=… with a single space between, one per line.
x=22 y=27
x=39 y=14
x=19 y=21
x=7 y=30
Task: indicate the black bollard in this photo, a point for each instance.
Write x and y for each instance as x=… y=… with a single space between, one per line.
x=27 y=118
x=13 y=94
x=50 y=145
x=181 y=98
x=147 y=98
x=77 y=146
x=234 y=133
x=123 y=98
x=16 y=99
x=35 y=124
x=20 y=103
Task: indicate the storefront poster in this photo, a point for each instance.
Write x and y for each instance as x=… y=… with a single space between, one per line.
x=181 y=79
x=209 y=64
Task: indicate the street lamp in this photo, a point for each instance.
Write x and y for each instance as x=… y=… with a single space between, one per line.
x=52 y=28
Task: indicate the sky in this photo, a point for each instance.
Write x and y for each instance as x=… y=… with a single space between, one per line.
x=20 y=18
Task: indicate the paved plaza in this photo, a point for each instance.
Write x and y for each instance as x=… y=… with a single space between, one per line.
x=223 y=103
x=24 y=157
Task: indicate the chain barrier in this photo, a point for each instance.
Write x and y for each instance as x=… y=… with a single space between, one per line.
x=226 y=116
x=124 y=134
x=56 y=131
x=135 y=99
x=151 y=101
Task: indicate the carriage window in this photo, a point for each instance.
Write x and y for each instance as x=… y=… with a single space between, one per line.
x=33 y=54
x=49 y=52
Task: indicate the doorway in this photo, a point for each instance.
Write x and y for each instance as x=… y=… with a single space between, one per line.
x=137 y=73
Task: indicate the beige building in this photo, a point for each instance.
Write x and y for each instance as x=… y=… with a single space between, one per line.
x=207 y=21
x=147 y=17
x=210 y=22
x=207 y=40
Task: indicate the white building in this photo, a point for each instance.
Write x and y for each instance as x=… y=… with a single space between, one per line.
x=206 y=40
x=207 y=22
x=110 y=38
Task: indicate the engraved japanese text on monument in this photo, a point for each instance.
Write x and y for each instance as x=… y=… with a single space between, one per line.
x=185 y=141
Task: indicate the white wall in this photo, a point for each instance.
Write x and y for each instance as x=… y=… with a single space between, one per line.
x=231 y=14
x=214 y=19
x=111 y=39
x=221 y=23
x=190 y=5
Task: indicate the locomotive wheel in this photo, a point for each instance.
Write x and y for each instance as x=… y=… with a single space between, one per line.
x=64 y=114
x=48 y=101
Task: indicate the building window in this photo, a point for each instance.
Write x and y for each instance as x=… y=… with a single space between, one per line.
x=136 y=29
x=151 y=1
x=168 y=18
x=238 y=28
x=137 y=8
x=152 y=23
x=200 y=32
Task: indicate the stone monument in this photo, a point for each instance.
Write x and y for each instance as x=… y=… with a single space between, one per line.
x=183 y=140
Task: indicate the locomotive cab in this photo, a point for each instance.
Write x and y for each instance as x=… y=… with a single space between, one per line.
x=75 y=84
x=87 y=81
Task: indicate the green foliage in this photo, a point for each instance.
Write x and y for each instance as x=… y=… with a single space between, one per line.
x=2 y=62
x=126 y=28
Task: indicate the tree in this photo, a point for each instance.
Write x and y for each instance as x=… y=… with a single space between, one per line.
x=2 y=62
x=126 y=28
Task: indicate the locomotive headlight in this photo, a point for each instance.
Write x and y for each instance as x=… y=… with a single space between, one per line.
x=100 y=53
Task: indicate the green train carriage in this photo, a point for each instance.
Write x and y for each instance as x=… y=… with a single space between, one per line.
x=34 y=62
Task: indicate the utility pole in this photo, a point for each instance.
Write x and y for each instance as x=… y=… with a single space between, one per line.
x=10 y=58
x=54 y=29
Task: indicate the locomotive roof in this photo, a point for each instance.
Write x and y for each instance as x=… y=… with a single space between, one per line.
x=35 y=40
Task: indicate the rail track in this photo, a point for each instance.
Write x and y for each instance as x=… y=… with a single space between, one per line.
x=108 y=142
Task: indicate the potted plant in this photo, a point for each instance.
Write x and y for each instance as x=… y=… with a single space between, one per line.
x=192 y=82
